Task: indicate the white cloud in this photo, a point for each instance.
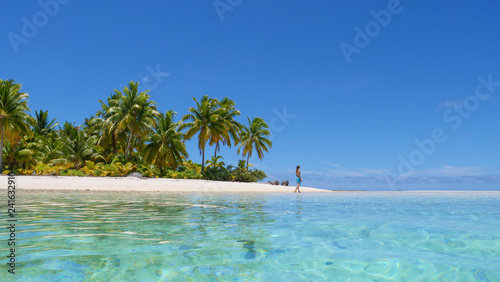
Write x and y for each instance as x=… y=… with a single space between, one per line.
x=444 y=175
x=337 y=166
x=375 y=171
x=362 y=172
x=343 y=173
x=455 y=171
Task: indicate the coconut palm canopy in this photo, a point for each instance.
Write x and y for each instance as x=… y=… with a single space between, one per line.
x=165 y=147
x=126 y=134
x=14 y=118
x=254 y=137
x=209 y=121
x=133 y=112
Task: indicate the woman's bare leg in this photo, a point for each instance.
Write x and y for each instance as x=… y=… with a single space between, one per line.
x=297 y=188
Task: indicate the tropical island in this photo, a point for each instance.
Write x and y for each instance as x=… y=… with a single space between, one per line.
x=128 y=135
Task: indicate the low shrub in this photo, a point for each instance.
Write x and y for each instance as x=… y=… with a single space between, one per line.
x=74 y=172
x=247 y=175
x=217 y=173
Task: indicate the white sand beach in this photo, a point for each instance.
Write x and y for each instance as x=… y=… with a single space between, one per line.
x=133 y=184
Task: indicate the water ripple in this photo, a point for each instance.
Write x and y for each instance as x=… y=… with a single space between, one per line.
x=258 y=237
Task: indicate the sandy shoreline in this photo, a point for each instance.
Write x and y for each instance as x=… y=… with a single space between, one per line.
x=133 y=184
x=166 y=185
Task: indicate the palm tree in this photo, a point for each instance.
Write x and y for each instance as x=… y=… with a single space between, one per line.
x=214 y=162
x=13 y=112
x=193 y=166
x=20 y=152
x=47 y=148
x=165 y=147
x=43 y=143
x=204 y=120
x=254 y=137
x=108 y=132
x=77 y=146
x=232 y=127
x=42 y=124
x=134 y=112
x=242 y=164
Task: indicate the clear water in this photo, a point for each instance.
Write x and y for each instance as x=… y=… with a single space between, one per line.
x=371 y=236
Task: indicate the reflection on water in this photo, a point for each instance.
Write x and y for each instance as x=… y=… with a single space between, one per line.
x=367 y=236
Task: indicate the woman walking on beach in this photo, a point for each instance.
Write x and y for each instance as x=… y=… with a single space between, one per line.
x=299 y=179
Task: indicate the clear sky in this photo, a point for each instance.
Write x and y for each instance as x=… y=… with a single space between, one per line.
x=375 y=95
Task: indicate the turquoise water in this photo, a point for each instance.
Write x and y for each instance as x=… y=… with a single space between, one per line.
x=371 y=236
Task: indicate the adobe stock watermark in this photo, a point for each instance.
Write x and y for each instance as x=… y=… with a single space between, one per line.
x=321 y=251
x=211 y=187
x=153 y=78
x=372 y=29
x=223 y=6
x=31 y=26
x=322 y=254
x=455 y=117
x=279 y=121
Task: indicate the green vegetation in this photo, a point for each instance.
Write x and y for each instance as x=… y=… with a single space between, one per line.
x=128 y=134
x=254 y=136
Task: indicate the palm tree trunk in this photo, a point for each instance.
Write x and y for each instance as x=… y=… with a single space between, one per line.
x=203 y=160
x=128 y=143
x=1 y=149
x=216 y=147
x=113 y=142
x=248 y=158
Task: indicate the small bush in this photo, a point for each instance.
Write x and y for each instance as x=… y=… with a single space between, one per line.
x=73 y=172
x=148 y=171
x=258 y=174
x=244 y=175
x=183 y=173
x=26 y=171
x=217 y=173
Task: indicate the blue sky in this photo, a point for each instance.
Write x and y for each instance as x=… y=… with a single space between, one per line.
x=347 y=87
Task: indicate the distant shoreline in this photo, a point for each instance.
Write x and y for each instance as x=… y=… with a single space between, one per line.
x=133 y=184
x=349 y=190
x=33 y=184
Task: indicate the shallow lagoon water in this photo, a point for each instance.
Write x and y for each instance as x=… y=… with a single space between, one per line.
x=356 y=236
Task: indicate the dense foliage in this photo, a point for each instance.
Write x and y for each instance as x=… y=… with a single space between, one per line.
x=127 y=134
